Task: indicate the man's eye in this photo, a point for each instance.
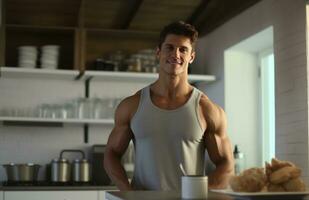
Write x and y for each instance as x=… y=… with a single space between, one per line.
x=183 y=50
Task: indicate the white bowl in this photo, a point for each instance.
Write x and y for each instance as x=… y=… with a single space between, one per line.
x=27 y=65
x=50 y=47
x=49 y=66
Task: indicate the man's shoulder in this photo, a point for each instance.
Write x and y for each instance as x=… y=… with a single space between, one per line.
x=213 y=114
x=133 y=99
x=209 y=108
x=207 y=103
x=129 y=104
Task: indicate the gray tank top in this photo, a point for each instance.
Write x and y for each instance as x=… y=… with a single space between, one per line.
x=166 y=141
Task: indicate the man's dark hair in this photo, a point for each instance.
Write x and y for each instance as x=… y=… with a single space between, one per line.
x=179 y=28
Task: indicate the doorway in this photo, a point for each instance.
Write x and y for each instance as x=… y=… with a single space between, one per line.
x=249 y=96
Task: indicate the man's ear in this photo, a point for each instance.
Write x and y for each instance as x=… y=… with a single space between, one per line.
x=158 y=50
x=192 y=57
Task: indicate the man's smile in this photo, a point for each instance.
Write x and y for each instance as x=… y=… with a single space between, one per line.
x=174 y=61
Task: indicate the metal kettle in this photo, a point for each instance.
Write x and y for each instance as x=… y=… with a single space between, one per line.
x=60 y=169
x=81 y=169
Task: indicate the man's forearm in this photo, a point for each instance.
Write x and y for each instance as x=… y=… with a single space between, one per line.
x=219 y=178
x=116 y=171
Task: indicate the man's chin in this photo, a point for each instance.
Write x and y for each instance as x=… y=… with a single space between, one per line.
x=175 y=73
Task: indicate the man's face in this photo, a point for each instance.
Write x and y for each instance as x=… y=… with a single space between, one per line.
x=175 y=54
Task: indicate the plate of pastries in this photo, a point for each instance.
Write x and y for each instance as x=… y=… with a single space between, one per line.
x=277 y=179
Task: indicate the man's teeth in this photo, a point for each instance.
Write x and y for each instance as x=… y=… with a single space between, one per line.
x=174 y=62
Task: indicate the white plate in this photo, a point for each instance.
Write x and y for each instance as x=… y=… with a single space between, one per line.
x=265 y=195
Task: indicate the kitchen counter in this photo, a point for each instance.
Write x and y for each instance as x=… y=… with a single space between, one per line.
x=158 y=195
x=55 y=188
x=174 y=195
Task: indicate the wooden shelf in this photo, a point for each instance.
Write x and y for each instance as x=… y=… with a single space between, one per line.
x=32 y=121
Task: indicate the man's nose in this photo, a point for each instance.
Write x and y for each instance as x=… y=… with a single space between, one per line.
x=176 y=53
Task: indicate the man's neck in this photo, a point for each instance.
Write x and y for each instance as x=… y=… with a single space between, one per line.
x=172 y=86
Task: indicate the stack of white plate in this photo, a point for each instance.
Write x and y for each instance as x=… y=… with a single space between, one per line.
x=27 y=56
x=49 y=58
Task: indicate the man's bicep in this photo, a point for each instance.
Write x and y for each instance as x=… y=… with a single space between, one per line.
x=119 y=140
x=121 y=134
x=217 y=141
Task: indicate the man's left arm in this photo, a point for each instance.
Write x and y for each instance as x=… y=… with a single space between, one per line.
x=219 y=148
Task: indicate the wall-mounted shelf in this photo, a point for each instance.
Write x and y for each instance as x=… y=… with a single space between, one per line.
x=31 y=121
x=14 y=72
x=140 y=77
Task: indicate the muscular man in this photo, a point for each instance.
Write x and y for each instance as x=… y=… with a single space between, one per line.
x=171 y=124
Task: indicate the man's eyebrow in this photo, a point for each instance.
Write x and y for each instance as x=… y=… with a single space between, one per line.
x=185 y=47
x=168 y=44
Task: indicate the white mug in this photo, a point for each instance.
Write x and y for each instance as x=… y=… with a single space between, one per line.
x=194 y=187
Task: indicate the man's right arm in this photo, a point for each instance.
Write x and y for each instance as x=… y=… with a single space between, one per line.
x=117 y=144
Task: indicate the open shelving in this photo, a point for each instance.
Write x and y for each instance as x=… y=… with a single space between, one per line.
x=30 y=121
x=13 y=72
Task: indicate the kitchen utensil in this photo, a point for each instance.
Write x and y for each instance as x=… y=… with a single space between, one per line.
x=26 y=172
x=81 y=169
x=61 y=169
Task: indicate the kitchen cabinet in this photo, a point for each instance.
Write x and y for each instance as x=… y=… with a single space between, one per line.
x=50 y=195
x=72 y=26
x=19 y=35
x=84 y=29
x=1 y=195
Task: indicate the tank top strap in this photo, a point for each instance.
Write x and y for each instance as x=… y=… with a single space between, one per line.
x=197 y=97
x=197 y=107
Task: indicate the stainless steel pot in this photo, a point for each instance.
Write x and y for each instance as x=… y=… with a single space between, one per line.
x=26 y=172
x=81 y=169
x=60 y=169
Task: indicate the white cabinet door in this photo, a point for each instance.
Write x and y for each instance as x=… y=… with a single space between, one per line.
x=1 y=195
x=51 y=195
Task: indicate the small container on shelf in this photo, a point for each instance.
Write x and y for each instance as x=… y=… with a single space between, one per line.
x=104 y=65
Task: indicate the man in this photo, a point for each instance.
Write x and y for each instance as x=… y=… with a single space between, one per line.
x=171 y=123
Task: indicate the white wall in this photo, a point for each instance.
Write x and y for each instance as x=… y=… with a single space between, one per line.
x=241 y=86
x=288 y=19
